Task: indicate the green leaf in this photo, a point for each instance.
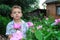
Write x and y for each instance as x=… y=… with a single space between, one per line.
x=45 y=38
x=38 y=34
x=58 y=36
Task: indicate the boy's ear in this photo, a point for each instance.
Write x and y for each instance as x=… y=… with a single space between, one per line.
x=11 y=15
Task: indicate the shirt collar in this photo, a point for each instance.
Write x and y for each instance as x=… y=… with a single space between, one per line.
x=12 y=22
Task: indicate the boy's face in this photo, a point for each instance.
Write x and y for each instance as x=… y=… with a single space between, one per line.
x=16 y=13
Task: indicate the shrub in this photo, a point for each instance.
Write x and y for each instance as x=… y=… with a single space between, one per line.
x=4 y=10
x=44 y=30
x=3 y=23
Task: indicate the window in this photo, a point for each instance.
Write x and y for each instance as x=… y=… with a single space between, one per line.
x=58 y=10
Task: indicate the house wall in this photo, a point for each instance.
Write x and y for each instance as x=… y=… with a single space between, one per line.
x=51 y=10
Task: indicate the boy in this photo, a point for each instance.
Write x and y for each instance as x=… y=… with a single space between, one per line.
x=16 y=14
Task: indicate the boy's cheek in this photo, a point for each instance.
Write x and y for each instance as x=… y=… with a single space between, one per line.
x=21 y=15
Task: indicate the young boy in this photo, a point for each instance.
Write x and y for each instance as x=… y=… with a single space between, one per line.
x=16 y=14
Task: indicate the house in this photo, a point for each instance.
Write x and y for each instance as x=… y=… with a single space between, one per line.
x=53 y=8
x=36 y=13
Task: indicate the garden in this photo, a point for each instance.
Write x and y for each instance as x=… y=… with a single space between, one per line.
x=47 y=28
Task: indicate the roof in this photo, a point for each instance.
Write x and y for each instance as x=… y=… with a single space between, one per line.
x=52 y=1
x=39 y=10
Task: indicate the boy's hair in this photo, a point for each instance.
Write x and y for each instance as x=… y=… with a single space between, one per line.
x=15 y=6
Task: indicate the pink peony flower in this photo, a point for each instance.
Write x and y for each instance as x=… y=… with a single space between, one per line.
x=18 y=35
x=57 y=21
x=30 y=24
x=17 y=26
x=13 y=38
x=39 y=27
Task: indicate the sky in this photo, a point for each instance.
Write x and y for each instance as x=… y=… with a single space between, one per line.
x=40 y=4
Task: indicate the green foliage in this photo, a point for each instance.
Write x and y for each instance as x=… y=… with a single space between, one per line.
x=47 y=32
x=38 y=35
x=3 y=23
x=4 y=10
x=25 y=4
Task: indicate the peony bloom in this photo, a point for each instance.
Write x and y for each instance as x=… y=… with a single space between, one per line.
x=30 y=24
x=13 y=38
x=17 y=26
x=47 y=18
x=39 y=27
x=17 y=36
x=57 y=20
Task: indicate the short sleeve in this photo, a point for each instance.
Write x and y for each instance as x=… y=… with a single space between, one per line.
x=9 y=30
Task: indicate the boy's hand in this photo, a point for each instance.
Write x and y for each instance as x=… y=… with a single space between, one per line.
x=9 y=36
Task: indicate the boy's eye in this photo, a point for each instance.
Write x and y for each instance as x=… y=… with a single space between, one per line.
x=14 y=12
x=19 y=12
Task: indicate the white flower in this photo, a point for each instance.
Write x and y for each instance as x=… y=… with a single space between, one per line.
x=39 y=27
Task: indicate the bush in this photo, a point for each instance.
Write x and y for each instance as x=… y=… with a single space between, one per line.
x=3 y=23
x=4 y=10
x=44 y=30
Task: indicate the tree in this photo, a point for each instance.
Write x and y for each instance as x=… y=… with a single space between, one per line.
x=25 y=4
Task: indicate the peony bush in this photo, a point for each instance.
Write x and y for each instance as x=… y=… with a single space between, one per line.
x=45 y=29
